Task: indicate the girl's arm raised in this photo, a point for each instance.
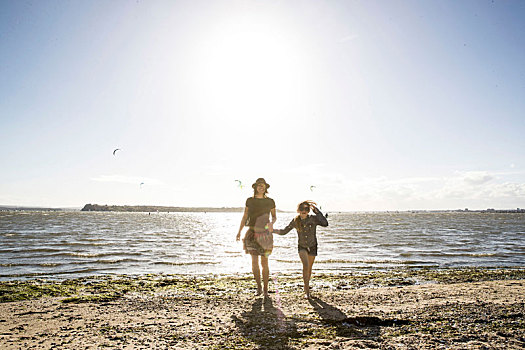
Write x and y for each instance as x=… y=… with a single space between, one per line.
x=320 y=217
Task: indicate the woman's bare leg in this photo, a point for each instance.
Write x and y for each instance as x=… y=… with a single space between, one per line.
x=257 y=273
x=265 y=273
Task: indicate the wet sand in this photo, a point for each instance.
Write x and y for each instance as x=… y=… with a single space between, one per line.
x=452 y=309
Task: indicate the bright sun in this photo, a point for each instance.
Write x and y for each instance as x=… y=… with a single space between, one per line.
x=249 y=65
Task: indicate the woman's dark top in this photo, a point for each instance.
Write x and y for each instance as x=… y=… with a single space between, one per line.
x=258 y=240
x=306 y=229
x=259 y=208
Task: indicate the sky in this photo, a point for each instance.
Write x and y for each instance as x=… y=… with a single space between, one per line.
x=381 y=105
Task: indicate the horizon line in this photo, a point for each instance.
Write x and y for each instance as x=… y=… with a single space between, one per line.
x=73 y=208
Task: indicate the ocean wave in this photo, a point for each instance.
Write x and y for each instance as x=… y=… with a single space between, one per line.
x=105 y=261
x=55 y=273
x=95 y=255
x=372 y=262
x=12 y=264
x=49 y=264
x=78 y=244
x=464 y=254
x=30 y=250
x=11 y=234
x=185 y=263
x=360 y=262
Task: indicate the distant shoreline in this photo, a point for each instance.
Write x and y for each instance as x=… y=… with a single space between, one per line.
x=126 y=208
x=167 y=209
x=155 y=208
x=16 y=208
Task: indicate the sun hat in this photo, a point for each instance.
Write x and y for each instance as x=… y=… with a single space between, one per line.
x=260 y=180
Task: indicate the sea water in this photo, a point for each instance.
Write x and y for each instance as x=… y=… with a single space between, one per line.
x=76 y=244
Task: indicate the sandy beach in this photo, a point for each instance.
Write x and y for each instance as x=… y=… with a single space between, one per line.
x=428 y=309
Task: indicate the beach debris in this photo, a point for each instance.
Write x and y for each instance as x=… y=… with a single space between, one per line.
x=115 y=150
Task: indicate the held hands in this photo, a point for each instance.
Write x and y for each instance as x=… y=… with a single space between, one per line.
x=238 y=237
x=270 y=227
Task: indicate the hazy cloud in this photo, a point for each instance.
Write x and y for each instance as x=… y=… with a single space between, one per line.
x=470 y=188
x=476 y=177
x=348 y=38
x=506 y=190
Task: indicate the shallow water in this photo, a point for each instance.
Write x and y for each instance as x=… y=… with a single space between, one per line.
x=76 y=244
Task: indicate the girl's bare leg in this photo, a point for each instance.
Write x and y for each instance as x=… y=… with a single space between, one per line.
x=265 y=273
x=257 y=272
x=311 y=260
x=303 y=254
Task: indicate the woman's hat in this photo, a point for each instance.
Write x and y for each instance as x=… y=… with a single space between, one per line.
x=260 y=180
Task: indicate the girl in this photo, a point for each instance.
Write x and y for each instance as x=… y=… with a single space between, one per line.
x=305 y=225
x=258 y=240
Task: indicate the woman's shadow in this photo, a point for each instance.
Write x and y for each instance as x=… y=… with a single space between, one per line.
x=266 y=325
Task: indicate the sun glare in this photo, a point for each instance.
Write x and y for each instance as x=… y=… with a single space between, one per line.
x=247 y=66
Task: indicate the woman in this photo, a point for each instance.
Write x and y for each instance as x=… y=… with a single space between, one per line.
x=305 y=225
x=258 y=240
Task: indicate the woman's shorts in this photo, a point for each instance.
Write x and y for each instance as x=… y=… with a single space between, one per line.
x=312 y=251
x=258 y=243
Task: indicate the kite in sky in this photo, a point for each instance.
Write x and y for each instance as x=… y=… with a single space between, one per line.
x=239 y=183
x=115 y=151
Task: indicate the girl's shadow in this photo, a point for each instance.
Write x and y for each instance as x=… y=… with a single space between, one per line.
x=266 y=325
x=367 y=327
